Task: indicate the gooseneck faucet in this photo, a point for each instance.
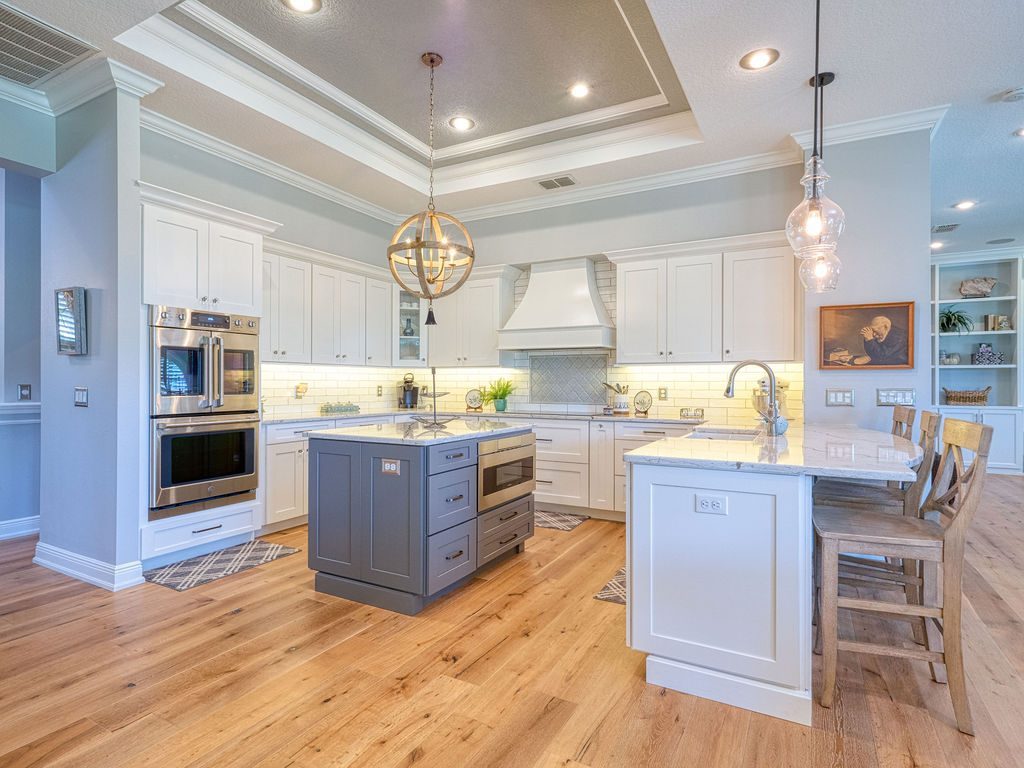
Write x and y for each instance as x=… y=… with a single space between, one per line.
x=775 y=424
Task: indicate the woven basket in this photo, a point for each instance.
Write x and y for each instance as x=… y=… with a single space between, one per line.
x=967 y=396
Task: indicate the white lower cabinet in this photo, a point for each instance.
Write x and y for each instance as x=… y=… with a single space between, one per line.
x=602 y=465
x=177 y=533
x=632 y=435
x=562 y=440
x=562 y=482
x=1007 y=451
x=286 y=472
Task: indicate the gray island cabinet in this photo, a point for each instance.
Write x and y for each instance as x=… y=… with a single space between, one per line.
x=394 y=519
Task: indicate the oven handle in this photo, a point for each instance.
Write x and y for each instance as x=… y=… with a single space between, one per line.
x=218 y=342
x=206 y=347
x=192 y=425
x=504 y=457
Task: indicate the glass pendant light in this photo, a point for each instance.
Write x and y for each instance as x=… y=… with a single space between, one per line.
x=814 y=226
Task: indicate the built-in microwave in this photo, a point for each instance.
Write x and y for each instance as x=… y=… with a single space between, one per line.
x=505 y=469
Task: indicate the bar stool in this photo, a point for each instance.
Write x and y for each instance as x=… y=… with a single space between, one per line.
x=937 y=538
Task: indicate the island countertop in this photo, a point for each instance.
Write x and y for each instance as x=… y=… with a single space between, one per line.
x=819 y=450
x=414 y=433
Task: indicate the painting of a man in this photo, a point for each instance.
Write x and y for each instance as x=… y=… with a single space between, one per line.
x=867 y=336
x=884 y=343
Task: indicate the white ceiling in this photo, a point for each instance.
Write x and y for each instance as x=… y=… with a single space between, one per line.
x=890 y=57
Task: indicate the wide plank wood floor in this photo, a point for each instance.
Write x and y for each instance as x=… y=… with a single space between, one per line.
x=520 y=668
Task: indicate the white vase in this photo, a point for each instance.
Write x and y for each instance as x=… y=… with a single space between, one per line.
x=621 y=404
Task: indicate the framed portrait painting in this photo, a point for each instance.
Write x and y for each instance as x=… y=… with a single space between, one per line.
x=867 y=336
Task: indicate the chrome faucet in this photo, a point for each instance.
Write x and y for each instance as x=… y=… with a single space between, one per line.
x=775 y=423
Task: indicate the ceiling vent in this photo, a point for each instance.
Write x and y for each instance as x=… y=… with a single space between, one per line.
x=31 y=51
x=939 y=229
x=558 y=183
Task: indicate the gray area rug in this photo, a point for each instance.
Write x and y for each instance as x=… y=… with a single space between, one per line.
x=203 y=569
x=559 y=521
x=615 y=590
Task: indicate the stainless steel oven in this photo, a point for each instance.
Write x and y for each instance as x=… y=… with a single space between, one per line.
x=199 y=462
x=203 y=362
x=506 y=469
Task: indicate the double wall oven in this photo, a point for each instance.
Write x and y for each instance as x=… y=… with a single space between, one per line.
x=204 y=410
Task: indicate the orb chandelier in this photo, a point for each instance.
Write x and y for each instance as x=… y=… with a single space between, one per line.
x=431 y=253
x=814 y=226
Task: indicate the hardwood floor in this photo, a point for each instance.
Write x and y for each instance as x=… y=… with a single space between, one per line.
x=520 y=668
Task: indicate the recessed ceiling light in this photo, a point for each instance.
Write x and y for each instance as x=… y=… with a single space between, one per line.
x=759 y=59
x=579 y=90
x=936 y=245
x=965 y=205
x=303 y=6
x=1019 y=132
x=461 y=123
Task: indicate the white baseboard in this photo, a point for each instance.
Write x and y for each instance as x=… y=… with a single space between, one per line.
x=87 y=569
x=22 y=526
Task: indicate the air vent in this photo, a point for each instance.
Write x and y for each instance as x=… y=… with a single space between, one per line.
x=31 y=51
x=939 y=229
x=558 y=183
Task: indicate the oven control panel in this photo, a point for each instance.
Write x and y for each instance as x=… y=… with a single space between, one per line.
x=197 y=319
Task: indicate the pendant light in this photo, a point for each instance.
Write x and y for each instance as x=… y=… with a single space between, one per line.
x=431 y=254
x=814 y=226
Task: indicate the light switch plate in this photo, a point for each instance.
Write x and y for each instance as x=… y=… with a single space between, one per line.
x=895 y=396
x=838 y=398
x=711 y=504
x=663 y=393
x=81 y=397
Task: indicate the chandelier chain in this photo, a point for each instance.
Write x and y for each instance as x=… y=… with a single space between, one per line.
x=430 y=202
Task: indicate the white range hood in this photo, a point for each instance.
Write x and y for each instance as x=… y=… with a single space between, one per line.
x=562 y=309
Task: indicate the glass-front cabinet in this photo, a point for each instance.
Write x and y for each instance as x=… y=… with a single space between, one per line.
x=410 y=336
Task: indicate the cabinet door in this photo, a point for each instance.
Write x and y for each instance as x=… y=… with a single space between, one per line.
x=337 y=539
x=378 y=322
x=176 y=258
x=1007 y=450
x=759 y=311
x=444 y=337
x=478 y=323
x=641 y=312
x=268 y=326
x=286 y=481
x=602 y=465
x=408 y=331
x=694 y=306
x=236 y=274
x=352 y=320
x=326 y=312
x=292 y=311
x=393 y=501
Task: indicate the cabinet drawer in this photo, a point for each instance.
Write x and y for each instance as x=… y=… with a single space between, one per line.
x=563 y=483
x=622 y=447
x=650 y=432
x=502 y=541
x=441 y=458
x=563 y=441
x=289 y=433
x=507 y=515
x=161 y=538
x=451 y=499
x=451 y=555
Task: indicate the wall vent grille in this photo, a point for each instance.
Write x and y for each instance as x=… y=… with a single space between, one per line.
x=558 y=182
x=31 y=52
x=939 y=229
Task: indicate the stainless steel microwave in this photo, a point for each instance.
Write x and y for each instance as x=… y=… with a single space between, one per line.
x=505 y=469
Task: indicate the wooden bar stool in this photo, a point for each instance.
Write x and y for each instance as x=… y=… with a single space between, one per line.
x=937 y=539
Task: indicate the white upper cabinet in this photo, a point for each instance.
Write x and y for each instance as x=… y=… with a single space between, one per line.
x=759 y=315
x=326 y=313
x=291 y=329
x=445 y=338
x=409 y=329
x=200 y=255
x=378 y=322
x=351 y=318
x=468 y=320
x=641 y=312
x=694 y=327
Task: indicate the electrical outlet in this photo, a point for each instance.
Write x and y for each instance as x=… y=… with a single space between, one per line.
x=711 y=505
x=895 y=396
x=81 y=397
x=24 y=391
x=663 y=393
x=380 y=390
x=838 y=398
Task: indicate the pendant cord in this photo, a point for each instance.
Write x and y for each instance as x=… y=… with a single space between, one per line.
x=821 y=123
x=817 y=80
x=430 y=203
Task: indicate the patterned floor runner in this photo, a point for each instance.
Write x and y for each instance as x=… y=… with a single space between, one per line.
x=206 y=568
x=615 y=590
x=559 y=521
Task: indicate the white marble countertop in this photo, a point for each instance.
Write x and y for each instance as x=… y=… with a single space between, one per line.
x=487 y=415
x=413 y=433
x=823 y=451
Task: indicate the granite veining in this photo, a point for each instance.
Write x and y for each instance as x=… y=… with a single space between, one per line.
x=822 y=451
x=414 y=433
x=494 y=416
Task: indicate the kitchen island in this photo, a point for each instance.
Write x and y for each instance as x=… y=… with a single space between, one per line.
x=395 y=512
x=719 y=556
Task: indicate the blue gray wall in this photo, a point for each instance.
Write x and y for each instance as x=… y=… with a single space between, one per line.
x=19 y=262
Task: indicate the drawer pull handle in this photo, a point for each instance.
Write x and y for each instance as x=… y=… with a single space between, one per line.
x=654 y=432
x=460 y=497
x=211 y=528
x=508 y=517
x=455 y=555
x=546 y=482
x=303 y=432
x=513 y=537
x=545 y=440
x=455 y=455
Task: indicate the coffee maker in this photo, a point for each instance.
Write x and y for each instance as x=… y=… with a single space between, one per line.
x=408 y=392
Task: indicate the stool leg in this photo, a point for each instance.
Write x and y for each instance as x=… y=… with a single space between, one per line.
x=913 y=594
x=817 y=594
x=933 y=637
x=952 y=601
x=829 y=618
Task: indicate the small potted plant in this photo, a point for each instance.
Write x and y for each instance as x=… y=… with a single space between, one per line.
x=953 y=320
x=497 y=392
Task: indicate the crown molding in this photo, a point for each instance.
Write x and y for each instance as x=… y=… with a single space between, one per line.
x=150 y=193
x=315 y=256
x=499 y=271
x=172 y=46
x=992 y=254
x=903 y=122
x=24 y=96
x=172 y=129
x=771 y=239
x=92 y=78
x=559 y=198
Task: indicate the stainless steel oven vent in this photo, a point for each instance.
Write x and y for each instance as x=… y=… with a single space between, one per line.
x=31 y=52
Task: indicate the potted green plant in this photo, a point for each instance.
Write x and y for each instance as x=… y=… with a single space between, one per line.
x=953 y=320
x=497 y=392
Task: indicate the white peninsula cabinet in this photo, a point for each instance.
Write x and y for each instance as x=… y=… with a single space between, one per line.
x=705 y=302
x=466 y=334
x=200 y=255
